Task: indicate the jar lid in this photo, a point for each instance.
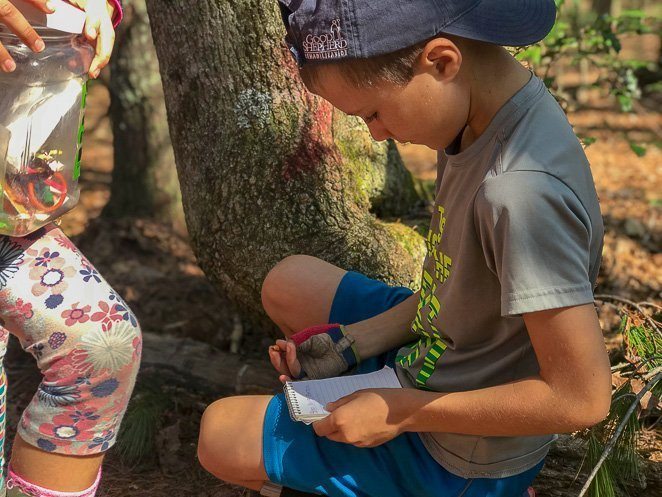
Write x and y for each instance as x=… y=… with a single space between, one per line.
x=66 y=17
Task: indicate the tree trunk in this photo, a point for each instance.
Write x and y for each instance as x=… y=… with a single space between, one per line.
x=144 y=176
x=601 y=7
x=266 y=169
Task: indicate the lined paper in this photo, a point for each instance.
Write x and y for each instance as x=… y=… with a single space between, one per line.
x=306 y=399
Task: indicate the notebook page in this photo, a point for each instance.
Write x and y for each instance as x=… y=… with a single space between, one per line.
x=311 y=396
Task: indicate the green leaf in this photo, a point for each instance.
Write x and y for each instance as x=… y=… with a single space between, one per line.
x=588 y=140
x=640 y=14
x=532 y=54
x=640 y=150
x=535 y=54
x=625 y=101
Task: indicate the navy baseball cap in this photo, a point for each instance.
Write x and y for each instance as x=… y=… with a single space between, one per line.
x=332 y=30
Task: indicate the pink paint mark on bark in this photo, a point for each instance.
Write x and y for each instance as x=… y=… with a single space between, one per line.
x=315 y=146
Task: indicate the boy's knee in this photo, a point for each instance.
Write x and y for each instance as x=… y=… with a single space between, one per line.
x=214 y=435
x=279 y=289
x=220 y=444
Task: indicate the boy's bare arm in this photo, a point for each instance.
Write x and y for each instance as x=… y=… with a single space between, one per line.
x=573 y=391
x=372 y=337
x=387 y=330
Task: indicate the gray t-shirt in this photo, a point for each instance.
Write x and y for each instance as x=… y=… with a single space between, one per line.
x=516 y=229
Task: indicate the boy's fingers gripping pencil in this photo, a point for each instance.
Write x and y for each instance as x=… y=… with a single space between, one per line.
x=285 y=360
x=281 y=362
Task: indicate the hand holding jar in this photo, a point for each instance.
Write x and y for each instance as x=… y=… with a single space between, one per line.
x=101 y=18
x=13 y=19
x=41 y=114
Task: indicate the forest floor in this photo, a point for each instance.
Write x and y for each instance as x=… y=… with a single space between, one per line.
x=154 y=268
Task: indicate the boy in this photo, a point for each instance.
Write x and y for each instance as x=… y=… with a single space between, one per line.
x=504 y=346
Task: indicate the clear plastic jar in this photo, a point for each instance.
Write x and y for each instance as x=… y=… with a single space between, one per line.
x=41 y=128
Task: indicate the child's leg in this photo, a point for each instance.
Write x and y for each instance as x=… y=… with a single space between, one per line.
x=62 y=473
x=244 y=442
x=230 y=445
x=3 y=415
x=87 y=345
x=250 y=440
x=299 y=291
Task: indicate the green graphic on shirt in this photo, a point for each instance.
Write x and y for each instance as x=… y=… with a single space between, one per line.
x=429 y=308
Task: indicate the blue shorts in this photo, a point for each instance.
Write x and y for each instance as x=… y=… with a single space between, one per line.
x=295 y=457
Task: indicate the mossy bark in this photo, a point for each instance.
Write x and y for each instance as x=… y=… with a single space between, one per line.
x=144 y=177
x=266 y=169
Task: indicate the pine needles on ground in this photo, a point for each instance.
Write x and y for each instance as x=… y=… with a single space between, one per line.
x=142 y=422
x=612 y=444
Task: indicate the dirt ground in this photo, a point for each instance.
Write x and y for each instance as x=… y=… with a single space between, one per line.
x=155 y=269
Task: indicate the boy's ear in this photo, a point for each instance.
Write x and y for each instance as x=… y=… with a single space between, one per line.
x=442 y=58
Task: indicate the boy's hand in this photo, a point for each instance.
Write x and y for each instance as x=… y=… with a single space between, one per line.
x=321 y=351
x=14 y=20
x=366 y=418
x=99 y=31
x=283 y=357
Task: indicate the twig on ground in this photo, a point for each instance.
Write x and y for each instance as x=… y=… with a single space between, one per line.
x=651 y=304
x=648 y=319
x=237 y=334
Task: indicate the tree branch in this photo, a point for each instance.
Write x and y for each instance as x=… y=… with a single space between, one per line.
x=618 y=432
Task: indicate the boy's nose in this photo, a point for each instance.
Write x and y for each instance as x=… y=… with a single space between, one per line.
x=379 y=133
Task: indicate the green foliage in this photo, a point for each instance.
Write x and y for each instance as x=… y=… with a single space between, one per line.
x=595 y=41
x=602 y=484
x=143 y=420
x=623 y=463
x=645 y=346
x=579 y=36
x=643 y=353
x=624 y=457
x=639 y=150
x=588 y=140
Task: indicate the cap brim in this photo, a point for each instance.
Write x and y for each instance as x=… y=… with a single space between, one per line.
x=506 y=22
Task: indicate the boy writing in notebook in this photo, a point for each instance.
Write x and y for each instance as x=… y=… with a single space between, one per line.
x=501 y=348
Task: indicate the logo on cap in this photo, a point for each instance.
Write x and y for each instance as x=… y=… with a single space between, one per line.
x=331 y=45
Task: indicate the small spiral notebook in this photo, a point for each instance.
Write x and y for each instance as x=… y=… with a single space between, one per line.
x=306 y=399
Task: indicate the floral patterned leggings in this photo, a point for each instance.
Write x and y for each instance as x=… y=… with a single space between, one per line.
x=85 y=339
